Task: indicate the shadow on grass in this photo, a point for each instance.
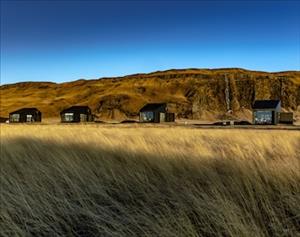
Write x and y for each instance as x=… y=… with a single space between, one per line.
x=50 y=189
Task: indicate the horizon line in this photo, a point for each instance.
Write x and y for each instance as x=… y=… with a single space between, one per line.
x=153 y=72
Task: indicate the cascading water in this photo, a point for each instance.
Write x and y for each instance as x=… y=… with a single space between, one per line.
x=227 y=94
x=282 y=79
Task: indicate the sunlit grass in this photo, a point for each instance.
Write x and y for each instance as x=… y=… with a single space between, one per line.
x=90 y=180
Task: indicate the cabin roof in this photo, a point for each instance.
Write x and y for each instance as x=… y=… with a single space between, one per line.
x=77 y=109
x=265 y=104
x=152 y=106
x=25 y=110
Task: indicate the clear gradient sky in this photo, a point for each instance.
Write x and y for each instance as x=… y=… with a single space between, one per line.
x=68 y=40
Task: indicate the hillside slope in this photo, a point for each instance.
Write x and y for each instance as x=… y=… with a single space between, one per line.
x=192 y=93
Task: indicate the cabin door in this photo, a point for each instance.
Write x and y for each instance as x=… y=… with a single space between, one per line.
x=162 y=117
x=83 y=117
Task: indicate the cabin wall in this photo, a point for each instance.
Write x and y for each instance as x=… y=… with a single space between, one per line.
x=170 y=117
x=158 y=117
x=77 y=117
x=90 y=118
x=36 y=117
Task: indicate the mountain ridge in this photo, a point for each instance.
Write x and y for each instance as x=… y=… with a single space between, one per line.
x=156 y=72
x=192 y=93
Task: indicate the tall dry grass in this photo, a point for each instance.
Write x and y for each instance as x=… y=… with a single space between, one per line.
x=88 y=180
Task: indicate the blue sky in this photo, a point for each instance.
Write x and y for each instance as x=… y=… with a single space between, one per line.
x=67 y=40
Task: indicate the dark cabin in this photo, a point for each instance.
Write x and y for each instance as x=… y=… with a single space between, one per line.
x=25 y=115
x=286 y=117
x=156 y=113
x=266 y=111
x=76 y=114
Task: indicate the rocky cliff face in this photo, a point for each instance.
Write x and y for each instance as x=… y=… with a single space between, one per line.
x=192 y=93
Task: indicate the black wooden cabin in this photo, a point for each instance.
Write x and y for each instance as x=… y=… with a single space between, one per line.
x=266 y=111
x=156 y=113
x=25 y=115
x=76 y=114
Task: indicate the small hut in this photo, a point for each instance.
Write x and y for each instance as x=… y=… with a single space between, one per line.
x=286 y=117
x=76 y=114
x=156 y=113
x=25 y=115
x=266 y=111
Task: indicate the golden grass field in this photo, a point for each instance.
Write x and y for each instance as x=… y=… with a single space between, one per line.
x=96 y=180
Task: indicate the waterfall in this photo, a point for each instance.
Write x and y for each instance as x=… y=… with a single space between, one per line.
x=227 y=94
x=281 y=86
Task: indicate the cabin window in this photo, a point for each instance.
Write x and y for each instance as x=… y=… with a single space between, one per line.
x=28 y=118
x=147 y=116
x=263 y=117
x=15 y=117
x=68 y=116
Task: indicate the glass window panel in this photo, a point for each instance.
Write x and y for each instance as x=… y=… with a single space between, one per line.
x=68 y=116
x=263 y=117
x=147 y=116
x=28 y=118
x=15 y=117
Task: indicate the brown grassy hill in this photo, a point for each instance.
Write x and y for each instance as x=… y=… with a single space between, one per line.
x=192 y=93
